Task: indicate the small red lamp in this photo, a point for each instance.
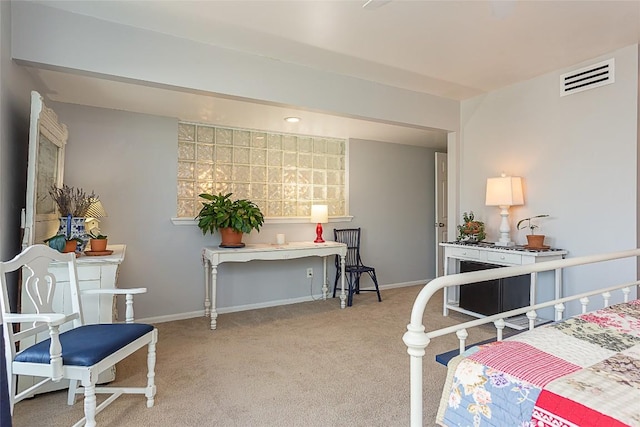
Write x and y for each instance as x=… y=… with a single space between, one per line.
x=319 y=215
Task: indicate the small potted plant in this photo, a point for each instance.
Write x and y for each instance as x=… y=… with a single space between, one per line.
x=98 y=242
x=230 y=218
x=534 y=241
x=63 y=243
x=471 y=230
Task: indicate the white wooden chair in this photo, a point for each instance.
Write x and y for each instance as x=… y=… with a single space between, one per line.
x=72 y=350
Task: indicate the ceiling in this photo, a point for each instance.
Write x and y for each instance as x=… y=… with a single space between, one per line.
x=453 y=49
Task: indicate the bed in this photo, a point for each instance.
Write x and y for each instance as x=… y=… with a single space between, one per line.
x=579 y=371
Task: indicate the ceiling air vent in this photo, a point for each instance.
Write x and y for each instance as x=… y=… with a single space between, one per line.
x=591 y=77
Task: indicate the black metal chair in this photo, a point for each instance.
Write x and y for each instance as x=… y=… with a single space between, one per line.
x=354 y=268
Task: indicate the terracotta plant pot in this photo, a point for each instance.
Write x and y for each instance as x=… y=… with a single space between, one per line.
x=98 y=245
x=230 y=237
x=535 y=240
x=70 y=246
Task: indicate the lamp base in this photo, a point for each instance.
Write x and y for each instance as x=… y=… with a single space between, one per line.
x=504 y=244
x=319 y=238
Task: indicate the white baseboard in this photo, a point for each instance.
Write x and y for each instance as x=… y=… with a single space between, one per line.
x=266 y=304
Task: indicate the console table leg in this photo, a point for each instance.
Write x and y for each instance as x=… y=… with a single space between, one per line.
x=343 y=296
x=214 y=313
x=558 y=283
x=207 y=273
x=533 y=288
x=325 y=280
x=445 y=291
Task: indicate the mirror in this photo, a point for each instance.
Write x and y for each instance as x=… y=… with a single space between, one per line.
x=47 y=140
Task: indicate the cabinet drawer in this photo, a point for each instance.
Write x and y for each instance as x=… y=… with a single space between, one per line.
x=502 y=258
x=84 y=273
x=465 y=253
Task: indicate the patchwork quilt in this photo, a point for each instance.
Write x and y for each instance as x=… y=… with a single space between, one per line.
x=584 y=371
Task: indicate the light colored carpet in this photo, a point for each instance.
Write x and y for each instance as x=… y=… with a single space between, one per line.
x=307 y=364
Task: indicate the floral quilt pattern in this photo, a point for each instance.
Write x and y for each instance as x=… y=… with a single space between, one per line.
x=513 y=383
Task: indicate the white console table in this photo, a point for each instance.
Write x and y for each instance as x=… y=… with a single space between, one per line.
x=488 y=253
x=214 y=256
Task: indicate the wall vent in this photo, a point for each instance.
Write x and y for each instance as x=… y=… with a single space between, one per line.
x=591 y=77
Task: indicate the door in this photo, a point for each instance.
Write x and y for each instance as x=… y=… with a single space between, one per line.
x=441 y=210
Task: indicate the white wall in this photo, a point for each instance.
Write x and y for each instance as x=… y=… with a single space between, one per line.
x=577 y=155
x=139 y=152
x=15 y=87
x=49 y=36
x=129 y=160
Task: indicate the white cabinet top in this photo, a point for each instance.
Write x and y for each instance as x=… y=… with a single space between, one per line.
x=115 y=258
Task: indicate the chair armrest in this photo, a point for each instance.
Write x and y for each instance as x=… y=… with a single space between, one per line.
x=116 y=291
x=56 y=319
x=53 y=320
x=128 y=317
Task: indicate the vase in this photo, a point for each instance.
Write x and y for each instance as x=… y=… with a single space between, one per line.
x=230 y=238
x=535 y=241
x=73 y=228
x=70 y=246
x=98 y=245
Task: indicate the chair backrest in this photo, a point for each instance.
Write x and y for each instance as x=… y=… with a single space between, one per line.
x=5 y=407
x=350 y=237
x=43 y=291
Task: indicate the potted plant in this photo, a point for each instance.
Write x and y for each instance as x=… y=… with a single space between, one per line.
x=471 y=230
x=73 y=204
x=230 y=218
x=534 y=241
x=63 y=243
x=98 y=242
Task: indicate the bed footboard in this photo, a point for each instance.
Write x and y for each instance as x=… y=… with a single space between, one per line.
x=417 y=337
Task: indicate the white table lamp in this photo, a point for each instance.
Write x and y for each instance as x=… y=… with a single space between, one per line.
x=504 y=191
x=319 y=215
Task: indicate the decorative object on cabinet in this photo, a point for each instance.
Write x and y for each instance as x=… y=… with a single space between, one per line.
x=319 y=215
x=73 y=204
x=230 y=218
x=504 y=192
x=70 y=234
x=534 y=241
x=98 y=243
x=72 y=201
x=75 y=351
x=94 y=212
x=471 y=230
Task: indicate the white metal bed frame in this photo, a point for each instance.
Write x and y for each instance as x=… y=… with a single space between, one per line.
x=417 y=339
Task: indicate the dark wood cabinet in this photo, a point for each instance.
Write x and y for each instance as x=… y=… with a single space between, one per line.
x=493 y=296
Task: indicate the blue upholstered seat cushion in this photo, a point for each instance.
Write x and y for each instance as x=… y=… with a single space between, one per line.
x=88 y=344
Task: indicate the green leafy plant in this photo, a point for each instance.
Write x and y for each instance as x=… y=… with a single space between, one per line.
x=529 y=224
x=59 y=241
x=219 y=211
x=97 y=236
x=470 y=229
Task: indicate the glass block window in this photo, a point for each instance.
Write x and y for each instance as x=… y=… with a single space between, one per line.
x=284 y=174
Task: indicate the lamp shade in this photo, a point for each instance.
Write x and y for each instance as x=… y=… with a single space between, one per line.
x=319 y=214
x=96 y=210
x=504 y=191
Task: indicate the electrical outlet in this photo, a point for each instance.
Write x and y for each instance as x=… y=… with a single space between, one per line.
x=309 y=272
